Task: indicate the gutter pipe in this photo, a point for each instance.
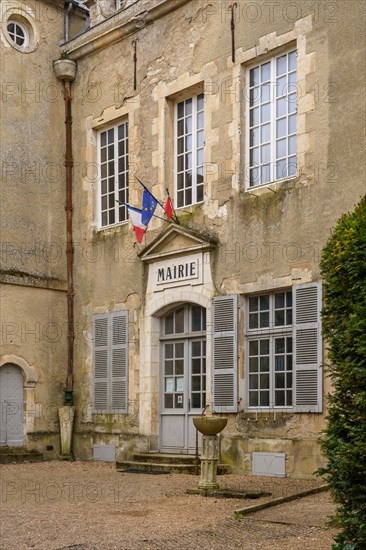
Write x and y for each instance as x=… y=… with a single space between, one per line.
x=69 y=247
x=67 y=19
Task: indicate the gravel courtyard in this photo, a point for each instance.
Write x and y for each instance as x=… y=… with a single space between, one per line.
x=84 y=505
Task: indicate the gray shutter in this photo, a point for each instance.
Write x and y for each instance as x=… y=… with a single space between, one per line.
x=119 y=361
x=100 y=360
x=224 y=388
x=307 y=301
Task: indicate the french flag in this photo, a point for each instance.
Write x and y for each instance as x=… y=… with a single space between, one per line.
x=136 y=219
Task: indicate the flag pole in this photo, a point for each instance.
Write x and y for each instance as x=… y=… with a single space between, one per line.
x=159 y=202
x=160 y=218
x=153 y=215
x=150 y=193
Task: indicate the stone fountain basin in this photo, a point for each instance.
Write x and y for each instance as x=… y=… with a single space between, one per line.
x=209 y=425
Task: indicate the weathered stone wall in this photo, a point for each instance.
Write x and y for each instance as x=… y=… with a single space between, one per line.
x=270 y=237
x=34 y=329
x=33 y=261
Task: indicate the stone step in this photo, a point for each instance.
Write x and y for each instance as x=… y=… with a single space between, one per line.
x=155 y=467
x=11 y=455
x=176 y=468
x=164 y=458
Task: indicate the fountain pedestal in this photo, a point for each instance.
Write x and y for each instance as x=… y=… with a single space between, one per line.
x=209 y=461
x=209 y=426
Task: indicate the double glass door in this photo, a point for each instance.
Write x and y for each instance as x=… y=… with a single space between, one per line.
x=183 y=377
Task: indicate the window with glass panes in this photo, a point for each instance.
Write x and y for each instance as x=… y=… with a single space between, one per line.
x=269 y=350
x=113 y=160
x=189 y=151
x=184 y=358
x=271 y=116
x=17 y=33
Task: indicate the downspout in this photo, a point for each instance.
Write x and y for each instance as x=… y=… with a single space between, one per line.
x=69 y=246
x=67 y=20
x=65 y=70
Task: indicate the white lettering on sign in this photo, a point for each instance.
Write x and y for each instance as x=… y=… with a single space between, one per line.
x=177 y=272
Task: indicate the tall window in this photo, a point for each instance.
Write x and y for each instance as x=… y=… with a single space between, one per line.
x=189 y=149
x=113 y=151
x=271 y=116
x=269 y=351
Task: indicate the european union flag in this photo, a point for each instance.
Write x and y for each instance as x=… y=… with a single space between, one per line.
x=149 y=204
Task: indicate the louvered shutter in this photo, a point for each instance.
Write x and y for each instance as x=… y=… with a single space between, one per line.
x=307 y=300
x=224 y=390
x=119 y=361
x=101 y=348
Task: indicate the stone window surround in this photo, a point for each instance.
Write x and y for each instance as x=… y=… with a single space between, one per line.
x=24 y=16
x=116 y=157
x=196 y=186
x=19 y=32
x=269 y=46
x=167 y=96
x=273 y=177
x=111 y=116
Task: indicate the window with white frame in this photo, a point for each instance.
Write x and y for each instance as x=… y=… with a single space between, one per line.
x=189 y=151
x=18 y=33
x=271 y=117
x=113 y=162
x=284 y=349
x=269 y=351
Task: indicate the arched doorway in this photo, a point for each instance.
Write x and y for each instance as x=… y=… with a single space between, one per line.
x=182 y=376
x=11 y=406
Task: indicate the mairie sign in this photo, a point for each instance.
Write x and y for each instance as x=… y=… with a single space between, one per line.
x=175 y=272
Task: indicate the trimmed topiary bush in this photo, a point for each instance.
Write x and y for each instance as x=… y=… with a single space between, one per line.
x=343 y=268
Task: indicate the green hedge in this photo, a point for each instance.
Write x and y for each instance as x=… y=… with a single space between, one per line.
x=343 y=268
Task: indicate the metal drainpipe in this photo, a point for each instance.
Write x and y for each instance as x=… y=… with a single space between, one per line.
x=67 y=20
x=69 y=247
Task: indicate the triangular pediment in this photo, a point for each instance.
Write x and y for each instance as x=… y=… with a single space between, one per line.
x=175 y=241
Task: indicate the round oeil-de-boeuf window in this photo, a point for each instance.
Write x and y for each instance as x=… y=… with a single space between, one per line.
x=17 y=33
x=20 y=30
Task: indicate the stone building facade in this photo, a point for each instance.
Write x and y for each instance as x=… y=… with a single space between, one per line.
x=251 y=115
x=33 y=275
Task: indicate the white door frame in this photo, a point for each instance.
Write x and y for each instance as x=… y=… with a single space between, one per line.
x=182 y=429
x=157 y=304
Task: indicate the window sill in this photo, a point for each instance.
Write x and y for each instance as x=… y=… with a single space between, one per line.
x=253 y=332
x=269 y=410
x=110 y=412
x=111 y=229
x=190 y=209
x=268 y=188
